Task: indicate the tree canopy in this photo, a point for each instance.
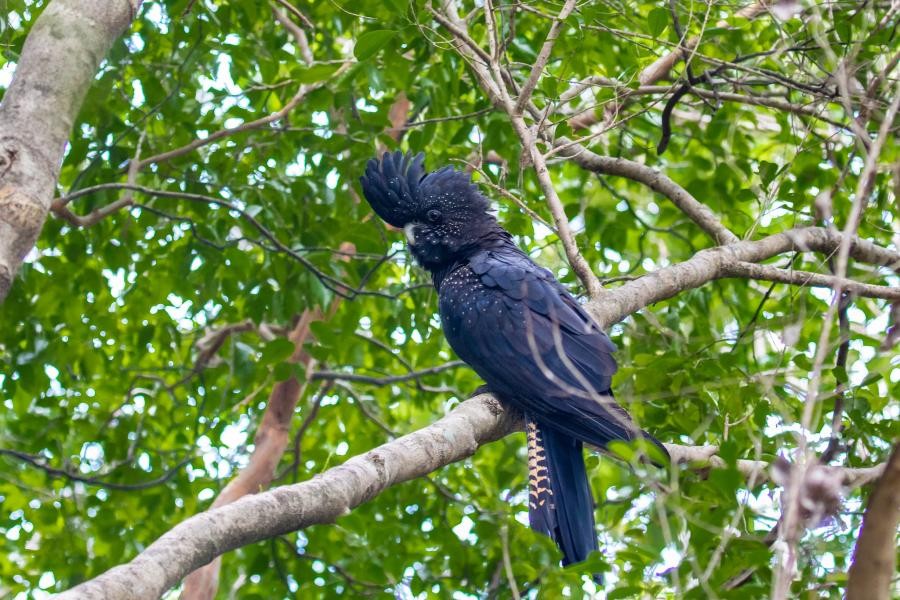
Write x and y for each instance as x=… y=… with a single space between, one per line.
x=718 y=182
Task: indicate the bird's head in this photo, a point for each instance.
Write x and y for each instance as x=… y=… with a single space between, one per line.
x=442 y=213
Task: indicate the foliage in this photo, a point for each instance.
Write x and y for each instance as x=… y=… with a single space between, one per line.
x=120 y=434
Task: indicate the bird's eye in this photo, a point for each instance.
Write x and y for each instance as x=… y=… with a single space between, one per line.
x=433 y=215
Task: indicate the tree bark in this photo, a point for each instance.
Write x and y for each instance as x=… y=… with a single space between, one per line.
x=322 y=499
x=268 y=448
x=875 y=556
x=334 y=493
x=718 y=262
x=57 y=66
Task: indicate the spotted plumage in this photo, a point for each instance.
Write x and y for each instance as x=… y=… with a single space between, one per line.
x=521 y=331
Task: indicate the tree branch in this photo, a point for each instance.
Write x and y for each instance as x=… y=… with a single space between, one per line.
x=543 y=56
x=661 y=67
x=322 y=499
x=250 y=125
x=326 y=497
x=698 y=212
x=269 y=444
x=57 y=66
x=875 y=556
x=722 y=261
x=296 y=12
x=759 y=471
x=803 y=278
x=388 y=379
x=496 y=88
x=72 y=474
x=274 y=244
x=298 y=34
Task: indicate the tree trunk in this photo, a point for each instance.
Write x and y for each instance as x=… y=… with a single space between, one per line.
x=57 y=66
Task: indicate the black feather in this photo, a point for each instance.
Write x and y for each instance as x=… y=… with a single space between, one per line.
x=391 y=186
x=521 y=331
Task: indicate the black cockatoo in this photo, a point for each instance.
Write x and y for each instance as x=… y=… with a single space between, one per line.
x=517 y=326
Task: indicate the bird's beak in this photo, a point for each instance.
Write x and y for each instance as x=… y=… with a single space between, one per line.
x=410 y=230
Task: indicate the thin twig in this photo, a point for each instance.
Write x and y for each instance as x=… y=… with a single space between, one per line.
x=790 y=533
x=251 y=125
x=298 y=34
x=296 y=12
x=543 y=56
x=387 y=380
x=805 y=278
x=507 y=563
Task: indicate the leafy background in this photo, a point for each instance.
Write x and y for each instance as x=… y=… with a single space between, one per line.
x=98 y=339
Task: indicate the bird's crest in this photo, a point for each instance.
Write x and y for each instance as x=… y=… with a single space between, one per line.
x=399 y=190
x=391 y=185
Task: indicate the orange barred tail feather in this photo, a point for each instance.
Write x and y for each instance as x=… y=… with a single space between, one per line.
x=560 y=501
x=540 y=496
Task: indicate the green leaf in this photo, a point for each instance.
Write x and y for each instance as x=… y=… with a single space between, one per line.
x=658 y=20
x=844 y=30
x=317 y=73
x=369 y=43
x=625 y=591
x=729 y=452
x=840 y=373
x=276 y=351
x=283 y=371
x=803 y=362
x=767 y=171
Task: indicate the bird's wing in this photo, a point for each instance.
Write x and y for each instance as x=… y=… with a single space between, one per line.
x=537 y=347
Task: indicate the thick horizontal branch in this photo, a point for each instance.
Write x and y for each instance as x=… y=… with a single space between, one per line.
x=323 y=499
x=334 y=493
x=759 y=471
x=723 y=261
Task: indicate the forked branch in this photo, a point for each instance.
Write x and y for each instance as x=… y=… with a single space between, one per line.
x=334 y=493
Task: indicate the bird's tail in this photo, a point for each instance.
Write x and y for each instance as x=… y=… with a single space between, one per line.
x=560 y=500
